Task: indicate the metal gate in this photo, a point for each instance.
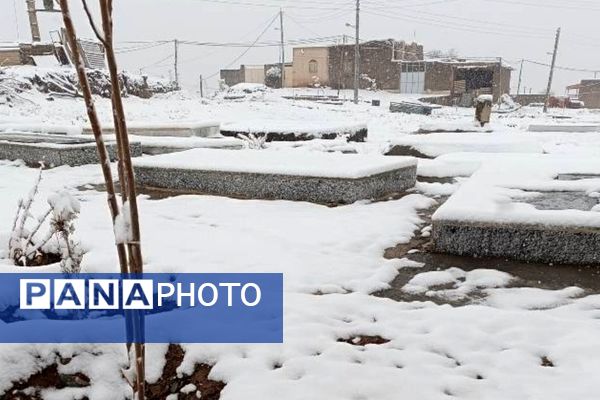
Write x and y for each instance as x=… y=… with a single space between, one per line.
x=412 y=77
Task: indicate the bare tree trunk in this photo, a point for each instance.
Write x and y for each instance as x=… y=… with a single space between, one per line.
x=128 y=184
x=127 y=180
x=122 y=135
x=95 y=124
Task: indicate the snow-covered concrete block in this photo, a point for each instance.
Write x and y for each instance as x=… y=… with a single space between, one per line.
x=527 y=242
x=163 y=145
x=437 y=144
x=176 y=129
x=290 y=130
x=564 y=128
x=507 y=210
x=453 y=127
x=41 y=128
x=54 y=150
x=278 y=174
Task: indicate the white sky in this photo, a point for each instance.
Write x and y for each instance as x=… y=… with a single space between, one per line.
x=512 y=29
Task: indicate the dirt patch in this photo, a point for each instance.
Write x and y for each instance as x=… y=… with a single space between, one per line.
x=365 y=340
x=546 y=362
x=419 y=249
x=170 y=383
x=49 y=377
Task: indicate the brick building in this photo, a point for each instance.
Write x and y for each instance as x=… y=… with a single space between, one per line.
x=333 y=66
x=467 y=78
x=588 y=91
x=244 y=74
x=24 y=53
x=380 y=63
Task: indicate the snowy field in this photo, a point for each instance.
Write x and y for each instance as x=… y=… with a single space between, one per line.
x=515 y=342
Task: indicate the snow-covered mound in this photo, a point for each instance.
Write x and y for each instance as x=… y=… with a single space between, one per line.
x=63 y=81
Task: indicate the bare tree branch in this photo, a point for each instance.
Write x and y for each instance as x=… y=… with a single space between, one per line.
x=90 y=17
x=113 y=205
x=128 y=189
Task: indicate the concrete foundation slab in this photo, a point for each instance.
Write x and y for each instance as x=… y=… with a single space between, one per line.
x=285 y=175
x=183 y=129
x=54 y=150
x=289 y=131
x=165 y=145
x=534 y=208
x=564 y=128
x=436 y=144
x=533 y=243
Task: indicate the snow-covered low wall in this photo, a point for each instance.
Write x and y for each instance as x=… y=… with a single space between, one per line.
x=287 y=175
x=55 y=151
x=287 y=131
x=182 y=129
x=437 y=144
x=494 y=213
x=533 y=243
x=564 y=128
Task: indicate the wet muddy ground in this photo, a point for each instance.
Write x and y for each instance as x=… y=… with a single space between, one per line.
x=543 y=276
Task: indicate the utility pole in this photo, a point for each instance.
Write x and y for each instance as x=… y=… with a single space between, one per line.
x=201 y=86
x=552 y=70
x=520 y=77
x=33 y=21
x=282 y=48
x=176 y=44
x=342 y=74
x=357 y=53
x=500 y=88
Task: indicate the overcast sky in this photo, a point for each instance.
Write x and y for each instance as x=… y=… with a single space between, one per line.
x=512 y=29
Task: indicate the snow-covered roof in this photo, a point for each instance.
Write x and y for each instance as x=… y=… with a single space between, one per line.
x=9 y=46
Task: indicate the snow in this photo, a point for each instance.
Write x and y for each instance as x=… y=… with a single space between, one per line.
x=47 y=61
x=279 y=162
x=182 y=142
x=316 y=128
x=64 y=205
x=333 y=260
x=454 y=126
x=491 y=193
x=248 y=88
x=437 y=144
x=460 y=283
x=16 y=127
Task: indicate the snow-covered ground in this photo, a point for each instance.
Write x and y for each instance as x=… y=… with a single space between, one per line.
x=515 y=343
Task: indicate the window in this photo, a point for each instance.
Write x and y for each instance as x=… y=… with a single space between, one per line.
x=313 y=67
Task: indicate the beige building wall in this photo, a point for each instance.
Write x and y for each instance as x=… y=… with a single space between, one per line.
x=254 y=73
x=310 y=63
x=289 y=76
x=9 y=57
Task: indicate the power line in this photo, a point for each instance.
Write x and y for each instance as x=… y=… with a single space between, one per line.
x=132 y=49
x=572 y=69
x=301 y=25
x=568 y=6
x=486 y=22
x=247 y=50
x=255 y=4
x=450 y=25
